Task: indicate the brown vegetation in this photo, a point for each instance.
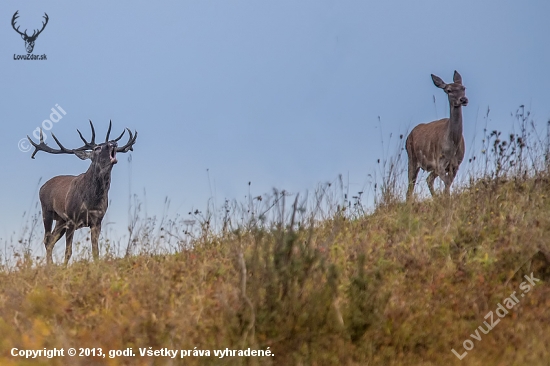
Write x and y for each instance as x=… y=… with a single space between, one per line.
x=402 y=285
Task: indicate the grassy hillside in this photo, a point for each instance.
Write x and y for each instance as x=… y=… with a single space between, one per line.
x=314 y=281
x=402 y=286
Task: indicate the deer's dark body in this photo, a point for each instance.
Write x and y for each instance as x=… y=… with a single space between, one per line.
x=74 y=202
x=438 y=147
x=69 y=201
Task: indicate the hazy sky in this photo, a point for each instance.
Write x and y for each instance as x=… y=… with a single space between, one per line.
x=284 y=94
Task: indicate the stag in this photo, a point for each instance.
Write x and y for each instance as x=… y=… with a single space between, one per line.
x=29 y=40
x=79 y=201
x=438 y=147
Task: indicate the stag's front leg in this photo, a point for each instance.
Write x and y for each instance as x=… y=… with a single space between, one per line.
x=69 y=243
x=96 y=229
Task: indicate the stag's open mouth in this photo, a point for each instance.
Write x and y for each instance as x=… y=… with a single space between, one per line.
x=113 y=156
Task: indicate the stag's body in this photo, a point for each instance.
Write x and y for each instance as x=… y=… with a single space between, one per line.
x=74 y=203
x=438 y=147
x=79 y=201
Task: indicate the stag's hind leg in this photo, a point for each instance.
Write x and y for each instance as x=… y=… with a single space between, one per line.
x=47 y=219
x=50 y=238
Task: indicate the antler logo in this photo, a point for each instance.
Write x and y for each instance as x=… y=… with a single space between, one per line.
x=29 y=40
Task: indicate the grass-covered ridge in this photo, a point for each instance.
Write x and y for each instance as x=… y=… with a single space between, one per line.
x=316 y=280
x=401 y=286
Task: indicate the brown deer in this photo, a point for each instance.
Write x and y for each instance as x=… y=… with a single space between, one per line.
x=438 y=147
x=79 y=201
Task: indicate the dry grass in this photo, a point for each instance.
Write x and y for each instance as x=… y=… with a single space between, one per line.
x=402 y=285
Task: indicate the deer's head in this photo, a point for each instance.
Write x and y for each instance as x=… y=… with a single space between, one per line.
x=29 y=40
x=103 y=156
x=456 y=91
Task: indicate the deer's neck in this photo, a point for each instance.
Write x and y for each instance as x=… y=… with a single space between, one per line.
x=454 y=131
x=97 y=182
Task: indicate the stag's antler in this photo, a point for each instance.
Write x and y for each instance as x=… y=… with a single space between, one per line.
x=129 y=145
x=89 y=145
x=109 y=132
x=41 y=146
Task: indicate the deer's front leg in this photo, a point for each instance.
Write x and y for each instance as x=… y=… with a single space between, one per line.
x=96 y=229
x=69 y=243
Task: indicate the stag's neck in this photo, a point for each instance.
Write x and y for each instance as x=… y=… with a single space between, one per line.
x=454 y=131
x=98 y=181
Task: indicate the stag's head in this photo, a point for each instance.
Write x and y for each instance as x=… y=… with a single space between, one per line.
x=102 y=155
x=456 y=91
x=29 y=40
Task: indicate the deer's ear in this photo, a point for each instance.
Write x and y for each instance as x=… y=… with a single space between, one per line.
x=438 y=82
x=457 y=78
x=23 y=36
x=83 y=154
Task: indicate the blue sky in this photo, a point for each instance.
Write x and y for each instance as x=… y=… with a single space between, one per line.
x=283 y=94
